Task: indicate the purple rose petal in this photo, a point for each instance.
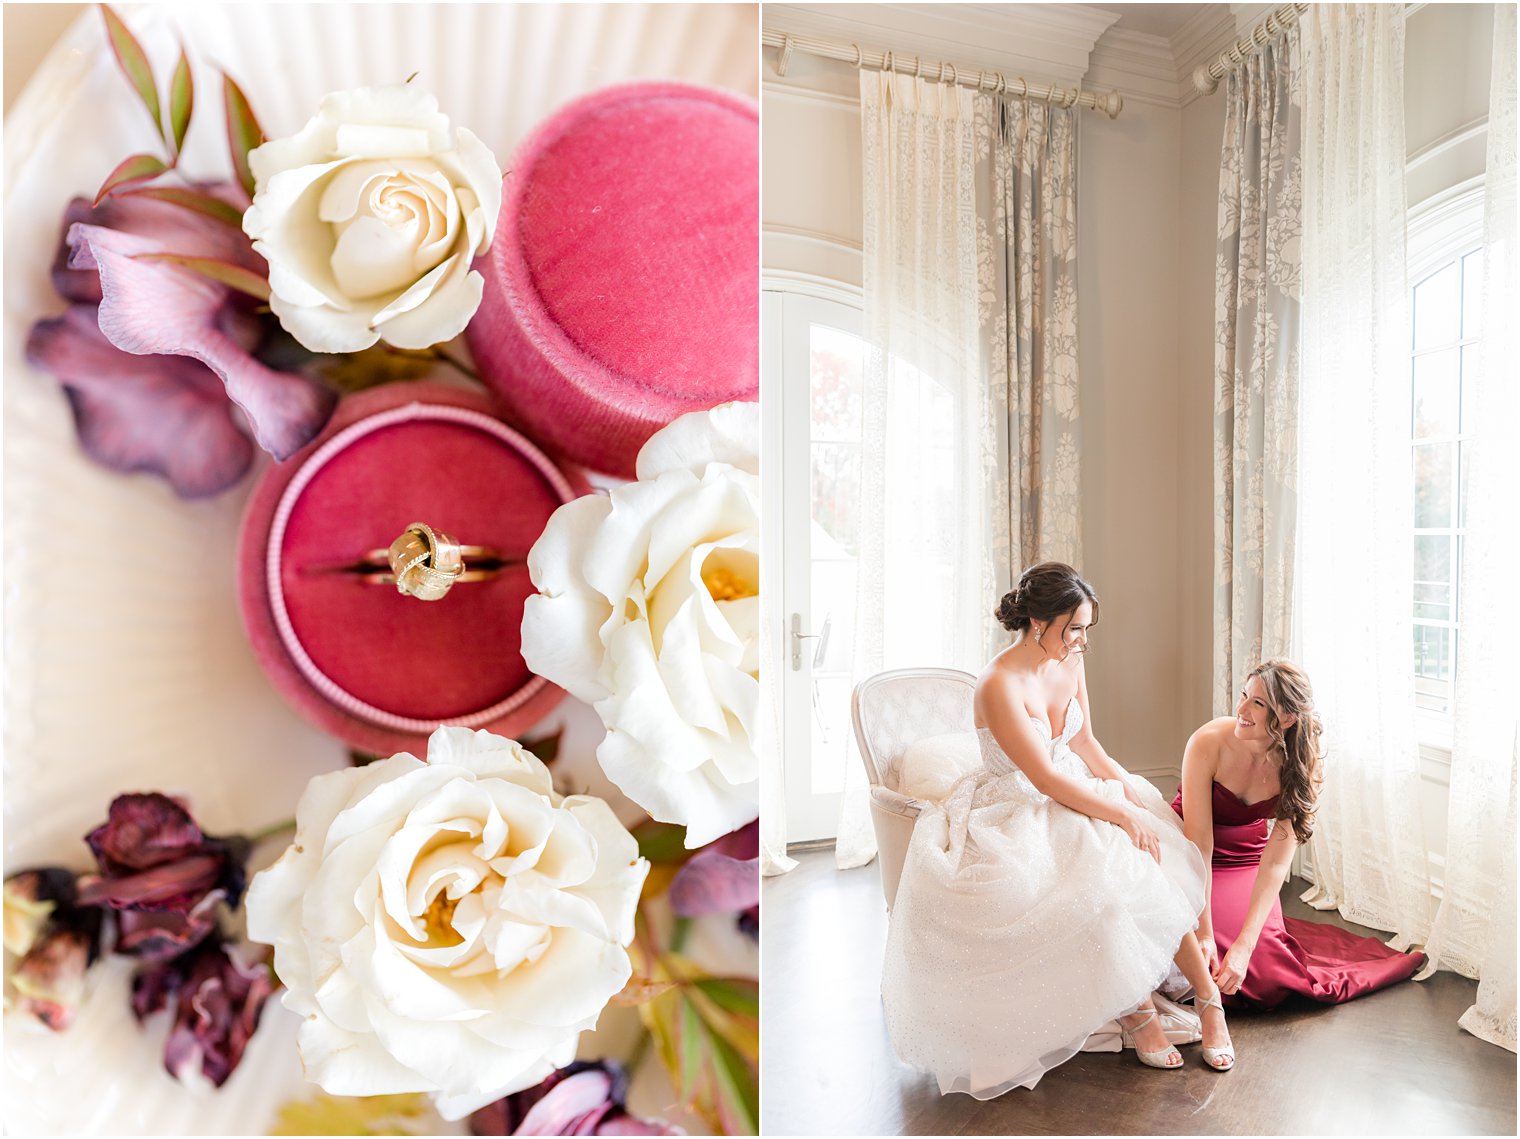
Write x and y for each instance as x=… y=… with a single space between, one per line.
x=722 y=877
x=585 y=1098
x=154 y=308
x=168 y=415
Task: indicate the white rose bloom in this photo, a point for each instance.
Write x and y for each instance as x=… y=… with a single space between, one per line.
x=370 y=217
x=450 y=926
x=648 y=607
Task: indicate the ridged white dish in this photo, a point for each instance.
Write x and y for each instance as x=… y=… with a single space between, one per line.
x=126 y=665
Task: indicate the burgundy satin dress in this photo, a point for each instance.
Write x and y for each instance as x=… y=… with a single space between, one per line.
x=1322 y=962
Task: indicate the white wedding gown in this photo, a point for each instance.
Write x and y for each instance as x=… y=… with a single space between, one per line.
x=1021 y=926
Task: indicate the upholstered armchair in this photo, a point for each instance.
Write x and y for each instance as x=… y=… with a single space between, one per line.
x=892 y=712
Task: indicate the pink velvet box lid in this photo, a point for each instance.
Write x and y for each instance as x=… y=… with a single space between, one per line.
x=375 y=668
x=622 y=287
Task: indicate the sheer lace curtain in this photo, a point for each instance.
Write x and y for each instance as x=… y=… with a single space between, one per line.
x=923 y=510
x=1256 y=364
x=1354 y=589
x=1475 y=926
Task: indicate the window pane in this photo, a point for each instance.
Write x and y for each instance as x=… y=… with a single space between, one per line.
x=1471 y=360
x=1437 y=308
x=1432 y=485
x=1472 y=295
x=835 y=363
x=836 y=498
x=1432 y=559
x=1435 y=394
x=1432 y=600
x=1432 y=653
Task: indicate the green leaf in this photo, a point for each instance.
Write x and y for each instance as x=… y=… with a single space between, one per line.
x=709 y=1042
x=138 y=168
x=243 y=131
x=225 y=272
x=201 y=203
x=181 y=100
x=546 y=747
x=134 y=64
x=662 y=842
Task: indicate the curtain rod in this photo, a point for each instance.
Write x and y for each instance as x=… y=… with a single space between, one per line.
x=1110 y=104
x=1206 y=79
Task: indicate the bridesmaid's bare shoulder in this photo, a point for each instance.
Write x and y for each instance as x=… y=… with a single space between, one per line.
x=1211 y=740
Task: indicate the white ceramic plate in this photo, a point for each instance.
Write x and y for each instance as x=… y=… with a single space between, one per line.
x=126 y=665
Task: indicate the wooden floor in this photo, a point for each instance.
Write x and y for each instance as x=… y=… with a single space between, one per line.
x=1392 y=1063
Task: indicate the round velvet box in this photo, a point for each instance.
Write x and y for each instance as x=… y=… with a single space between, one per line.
x=378 y=669
x=622 y=288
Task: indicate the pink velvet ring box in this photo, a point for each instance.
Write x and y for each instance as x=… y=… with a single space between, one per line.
x=373 y=667
x=622 y=287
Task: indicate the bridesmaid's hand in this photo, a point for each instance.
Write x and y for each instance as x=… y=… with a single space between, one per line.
x=1138 y=826
x=1232 y=970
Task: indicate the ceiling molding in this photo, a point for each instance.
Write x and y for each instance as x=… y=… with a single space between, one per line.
x=1050 y=42
x=1139 y=64
x=1202 y=40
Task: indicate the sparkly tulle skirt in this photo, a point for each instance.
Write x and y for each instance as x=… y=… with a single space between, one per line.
x=1021 y=926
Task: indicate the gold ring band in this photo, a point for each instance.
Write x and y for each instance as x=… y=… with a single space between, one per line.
x=425 y=563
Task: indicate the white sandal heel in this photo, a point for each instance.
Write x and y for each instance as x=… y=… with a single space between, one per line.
x=1219 y=1059
x=1167 y=1059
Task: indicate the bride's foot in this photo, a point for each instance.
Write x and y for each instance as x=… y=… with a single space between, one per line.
x=1142 y=1031
x=1218 y=1053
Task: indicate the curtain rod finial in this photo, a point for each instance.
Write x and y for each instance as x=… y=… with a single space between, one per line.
x=1204 y=81
x=1111 y=104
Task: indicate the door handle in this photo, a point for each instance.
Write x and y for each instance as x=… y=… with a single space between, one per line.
x=798 y=636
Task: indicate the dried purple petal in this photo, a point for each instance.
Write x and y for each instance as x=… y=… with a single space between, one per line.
x=585 y=1098
x=163 y=874
x=217 y=1002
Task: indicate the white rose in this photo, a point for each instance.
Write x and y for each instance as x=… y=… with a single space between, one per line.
x=370 y=218
x=648 y=607
x=450 y=926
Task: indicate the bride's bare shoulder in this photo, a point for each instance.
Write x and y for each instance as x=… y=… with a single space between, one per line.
x=999 y=686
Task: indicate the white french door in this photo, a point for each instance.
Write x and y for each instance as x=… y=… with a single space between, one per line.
x=812 y=373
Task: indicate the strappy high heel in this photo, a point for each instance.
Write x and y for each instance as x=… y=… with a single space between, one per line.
x=1167 y=1059
x=1219 y=1059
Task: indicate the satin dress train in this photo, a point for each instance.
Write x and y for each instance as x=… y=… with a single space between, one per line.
x=1322 y=962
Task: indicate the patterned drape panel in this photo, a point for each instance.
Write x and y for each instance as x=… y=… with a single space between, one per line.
x=1355 y=595
x=1257 y=292
x=1027 y=239
x=1474 y=931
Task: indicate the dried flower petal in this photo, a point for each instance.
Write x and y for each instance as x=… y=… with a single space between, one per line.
x=585 y=1098
x=723 y=877
x=217 y=1002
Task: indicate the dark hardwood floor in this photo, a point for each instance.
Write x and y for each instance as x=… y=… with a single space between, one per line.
x=1391 y=1063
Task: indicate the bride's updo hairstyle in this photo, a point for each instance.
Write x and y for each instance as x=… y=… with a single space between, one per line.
x=1044 y=592
x=1289 y=694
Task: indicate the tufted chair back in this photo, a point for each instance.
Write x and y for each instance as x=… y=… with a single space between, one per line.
x=893 y=710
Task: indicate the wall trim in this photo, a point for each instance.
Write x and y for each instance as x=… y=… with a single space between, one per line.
x=809 y=285
x=1447 y=141
x=781 y=89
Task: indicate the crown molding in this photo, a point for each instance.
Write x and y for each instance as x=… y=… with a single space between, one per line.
x=1139 y=64
x=1202 y=40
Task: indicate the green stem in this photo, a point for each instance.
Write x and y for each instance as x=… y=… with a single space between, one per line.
x=458 y=365
x=640 y=1050
x=271 y=831
x=679 y=933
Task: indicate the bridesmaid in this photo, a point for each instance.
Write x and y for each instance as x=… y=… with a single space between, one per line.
x=1265 y=763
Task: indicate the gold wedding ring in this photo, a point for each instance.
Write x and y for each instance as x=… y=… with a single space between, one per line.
x=426 y=563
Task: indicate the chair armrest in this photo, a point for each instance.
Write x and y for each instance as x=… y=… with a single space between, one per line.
x=896 y=803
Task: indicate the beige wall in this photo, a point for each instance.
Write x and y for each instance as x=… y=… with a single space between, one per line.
x=30 y=32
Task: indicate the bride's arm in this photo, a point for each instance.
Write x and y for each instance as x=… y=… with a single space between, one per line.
x=1200 y=763
x=1085 y=743
x=1002 y=707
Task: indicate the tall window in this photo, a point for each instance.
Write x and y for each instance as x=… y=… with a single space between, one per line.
x=1447 y=305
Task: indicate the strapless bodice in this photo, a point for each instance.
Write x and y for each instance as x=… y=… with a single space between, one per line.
x=1240 y=829
x=996 y=760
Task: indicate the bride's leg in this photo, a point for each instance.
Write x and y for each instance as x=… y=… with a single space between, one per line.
x=1146 y=1032
x=1195 y=967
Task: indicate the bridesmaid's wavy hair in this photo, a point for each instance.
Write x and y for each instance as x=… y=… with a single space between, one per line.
x=1044 y=592
x=1289 y=694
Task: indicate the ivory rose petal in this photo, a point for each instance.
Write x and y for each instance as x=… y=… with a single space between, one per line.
x=648 y=608
x=448 y=927
x=369 y=217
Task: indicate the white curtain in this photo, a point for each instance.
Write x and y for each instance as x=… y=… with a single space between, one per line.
x=1354 y=589
x=1256 y=364
x=923 y=511
x=1475 y=927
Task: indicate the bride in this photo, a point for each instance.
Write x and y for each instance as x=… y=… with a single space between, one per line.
x=1051 y=890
